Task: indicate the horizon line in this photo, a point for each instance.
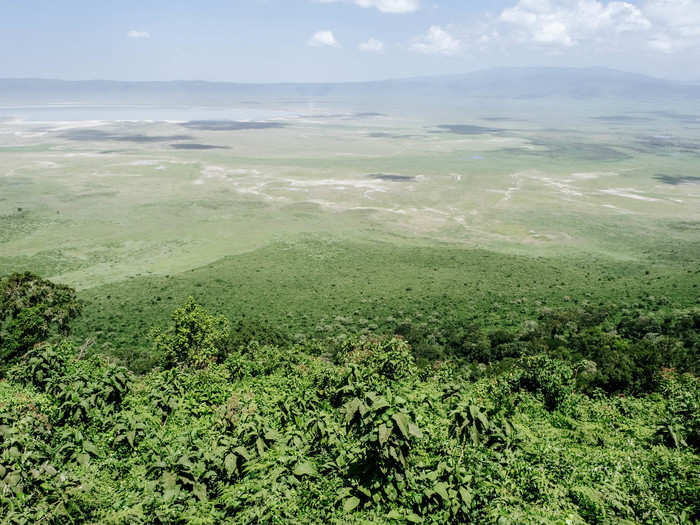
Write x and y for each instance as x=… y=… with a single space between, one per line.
x=389 y=79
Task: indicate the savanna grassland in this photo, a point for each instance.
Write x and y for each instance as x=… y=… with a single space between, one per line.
x=332 y=315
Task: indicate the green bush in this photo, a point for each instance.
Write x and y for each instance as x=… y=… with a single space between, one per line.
x=30 y=310
x=43 y=364
x=552 y=379
x=680 y=425
x=385 y=432
x=195 y=339
x=385 y=359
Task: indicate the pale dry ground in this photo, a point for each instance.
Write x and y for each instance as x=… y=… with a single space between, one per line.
x=98 y=207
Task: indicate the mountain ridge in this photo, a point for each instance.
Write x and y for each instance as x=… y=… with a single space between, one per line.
x=518 y=83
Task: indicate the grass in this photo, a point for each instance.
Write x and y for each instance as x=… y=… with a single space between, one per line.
x=321 y=287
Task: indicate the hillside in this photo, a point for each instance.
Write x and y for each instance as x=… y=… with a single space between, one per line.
x=574 y=418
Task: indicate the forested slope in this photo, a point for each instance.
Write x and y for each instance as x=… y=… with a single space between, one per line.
x=585 y=414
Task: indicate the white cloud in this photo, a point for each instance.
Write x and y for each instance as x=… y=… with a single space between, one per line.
x=681 y=15
x=323 y=38
x=568 y=22
x=437 y=41
x=664 y=43
x=385 y=6
x=677 y=24
x=138 y=34
x=372 y=45
x=667 y=26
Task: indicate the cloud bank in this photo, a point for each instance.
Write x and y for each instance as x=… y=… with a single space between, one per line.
x=660 y=25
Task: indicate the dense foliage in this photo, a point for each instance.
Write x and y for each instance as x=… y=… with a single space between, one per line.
x=31 y=309
x=582 y=415
x=446 y=300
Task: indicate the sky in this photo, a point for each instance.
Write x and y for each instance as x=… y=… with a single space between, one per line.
x=341 y=40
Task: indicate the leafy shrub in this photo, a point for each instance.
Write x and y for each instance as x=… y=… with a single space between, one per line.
x=680 y=425
x=475 y=424
x=36 y=484
x=28 y=328
x=129 y=430
x=195 y=339
x=591 y=504
x=42 y=364
x=385 y=359
x=553 y=379
x=246 y=331
x=385 y=433
x=19 y=292
x=30 y=308
x=164 y=392
x=256 y=360
x=94 y=389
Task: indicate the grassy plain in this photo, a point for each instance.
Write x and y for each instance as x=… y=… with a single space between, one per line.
x=354 y=215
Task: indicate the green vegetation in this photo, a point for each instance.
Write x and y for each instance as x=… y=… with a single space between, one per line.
x=195 y=340
x=412 y=321
x=585 y=414
x=434 y=297
x=30 y=310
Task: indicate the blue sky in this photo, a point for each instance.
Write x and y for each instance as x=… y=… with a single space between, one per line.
x=338 y=40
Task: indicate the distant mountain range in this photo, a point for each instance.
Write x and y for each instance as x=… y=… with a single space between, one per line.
x=510 y=83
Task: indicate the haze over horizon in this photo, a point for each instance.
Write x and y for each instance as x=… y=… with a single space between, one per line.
x=583 y=70
x=344 y=40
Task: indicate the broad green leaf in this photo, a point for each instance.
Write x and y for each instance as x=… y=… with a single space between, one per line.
x=231 y=464
x=384 y=433
x=170 y=488
x=379 y=404
x=507 y=428
x=271 y=434
x=200 y=491
x=474 y=433
x=351 y=504
x=241 y=451
x=89 y=447
x=351 y=409
x=260 y=444
x=466 y=496
x=414 y=430
x=401 y=422
x=82 y=459
x=441 y=490
x=12 y=480
x=305 y=469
